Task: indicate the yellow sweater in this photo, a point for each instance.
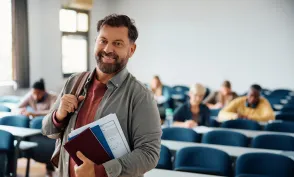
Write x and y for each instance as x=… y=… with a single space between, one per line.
x=263 y=112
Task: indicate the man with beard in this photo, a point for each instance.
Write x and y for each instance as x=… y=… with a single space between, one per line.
x=110 y=88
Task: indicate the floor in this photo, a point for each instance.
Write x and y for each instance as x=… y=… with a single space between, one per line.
x=36 y=169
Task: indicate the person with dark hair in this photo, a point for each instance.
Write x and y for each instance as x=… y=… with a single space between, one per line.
x=221 y=98
x=38 y=101
x=109 y=88
x=252 y=107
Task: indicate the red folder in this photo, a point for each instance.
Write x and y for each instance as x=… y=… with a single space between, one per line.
x=87 y=143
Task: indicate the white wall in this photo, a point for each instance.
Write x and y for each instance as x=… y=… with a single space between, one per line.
x=45 y=40
x=207 y=41
x=184 y=42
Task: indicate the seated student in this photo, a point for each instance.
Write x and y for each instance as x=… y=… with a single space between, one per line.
x=221 y=98
x=193 y=113
x=162 y=96
x=37 y=102
x=161 y=93
x=252 y=107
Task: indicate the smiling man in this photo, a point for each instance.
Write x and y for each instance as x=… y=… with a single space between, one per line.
x=110 y=88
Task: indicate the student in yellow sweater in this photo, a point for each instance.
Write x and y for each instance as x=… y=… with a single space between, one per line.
x=252 y=107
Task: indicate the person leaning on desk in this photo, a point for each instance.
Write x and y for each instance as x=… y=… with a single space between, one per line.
x=110 y=88
x=252 y=107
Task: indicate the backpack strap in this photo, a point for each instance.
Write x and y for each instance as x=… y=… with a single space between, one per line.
x=76 y=90
x=79 y=84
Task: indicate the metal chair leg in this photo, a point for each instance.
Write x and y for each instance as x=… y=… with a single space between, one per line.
x=28 y=167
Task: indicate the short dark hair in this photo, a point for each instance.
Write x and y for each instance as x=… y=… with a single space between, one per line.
x=115 y=20
x=256 y=87
x=227 y=84
x=39 y=85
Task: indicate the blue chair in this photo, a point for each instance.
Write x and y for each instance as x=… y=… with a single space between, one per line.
x=285 y=116
x=276 y=142
x=6 y=151
x=181 y=92
x=16 y=121
x=283 y=126
x=287 y=109
x=36 y=122
x=203 y=160
x=214 y=112
x=180 y=134
x=241 y=124
x=43 y=152
x=280 y=93
x=264 y=165
x=10 y=99
x=4 y=108
x=223 y=137
x=165 y=160
x=207 y=92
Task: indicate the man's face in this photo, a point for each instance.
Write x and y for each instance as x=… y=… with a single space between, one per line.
x=253 y=96
x=38 y=94
x=113 y=49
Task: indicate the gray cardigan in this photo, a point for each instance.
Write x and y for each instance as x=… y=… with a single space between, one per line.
x=138 y=115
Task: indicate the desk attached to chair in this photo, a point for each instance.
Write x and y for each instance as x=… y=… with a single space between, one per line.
x=233 y=151
x=248 y=133
x=170 y=173
x=19 y=134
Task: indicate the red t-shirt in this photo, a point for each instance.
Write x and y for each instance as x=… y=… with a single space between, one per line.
x=86 y=115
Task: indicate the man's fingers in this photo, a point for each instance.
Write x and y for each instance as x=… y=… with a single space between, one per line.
x=72 y=101
x=81 y=98
x=82 y=157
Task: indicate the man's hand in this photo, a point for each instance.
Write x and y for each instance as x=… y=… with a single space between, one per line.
x=86 y=169
x=190 y=124
x=68 y=104
x=28 y=114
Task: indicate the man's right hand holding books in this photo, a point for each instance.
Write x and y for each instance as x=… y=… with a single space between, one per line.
x=68 y=104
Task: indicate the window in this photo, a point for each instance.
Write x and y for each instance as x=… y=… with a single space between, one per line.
x=74 y=25
x=6 y=41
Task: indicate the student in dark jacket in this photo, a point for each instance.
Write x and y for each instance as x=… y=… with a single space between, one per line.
x=193 y=113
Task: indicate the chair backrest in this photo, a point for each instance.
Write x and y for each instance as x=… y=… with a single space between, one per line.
x=285 y=116
x=223 y=137
x=280 y=92
x=284 y=126
x=10 y=99
x=203 y=160
x=17 y=121
x=179 y=92
x=241 y=124
x=36 y=123
x=264 y=164
x=4 y=108
x=207 y=92
x=6 y=150
x=277 y=142
x=288 y=109
x=165 y=160
x=214 y=112
x=180 y=89
x=180 y=134
x=6 y=143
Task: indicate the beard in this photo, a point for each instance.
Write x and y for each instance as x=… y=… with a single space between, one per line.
x=110 y=68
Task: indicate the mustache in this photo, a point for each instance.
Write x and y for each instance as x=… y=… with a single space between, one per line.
x=110 y=55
